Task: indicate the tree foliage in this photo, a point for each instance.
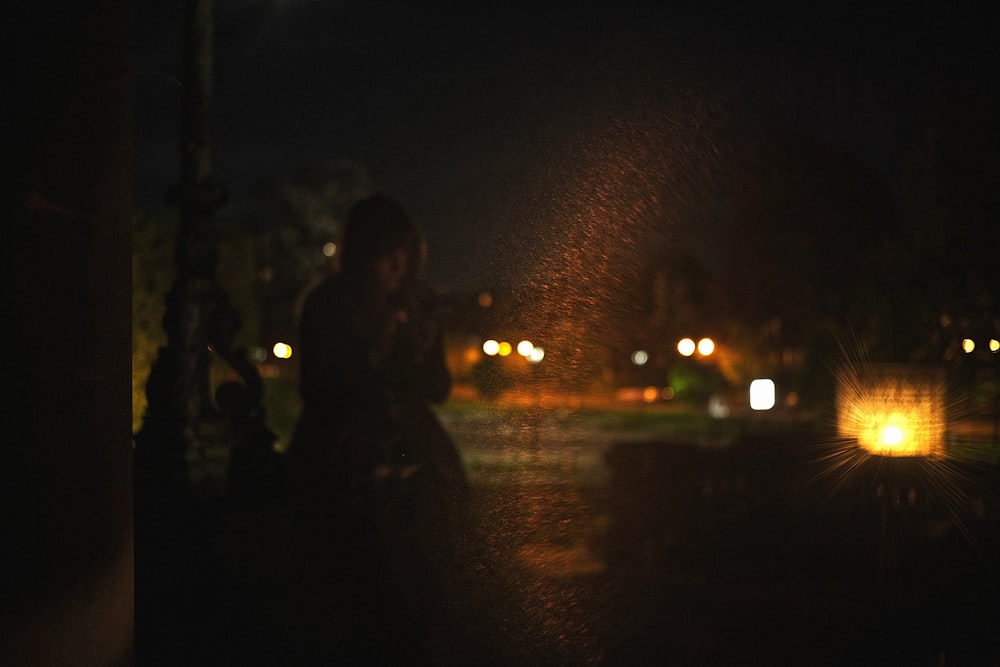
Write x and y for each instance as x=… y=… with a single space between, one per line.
x=292 y=218
x=152 y=274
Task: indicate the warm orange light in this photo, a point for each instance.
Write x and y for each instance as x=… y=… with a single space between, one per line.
x=706 y=346
x=892 y=435
x=686 y=347
x=650 y=394
x=485 y=299
x=893 y=410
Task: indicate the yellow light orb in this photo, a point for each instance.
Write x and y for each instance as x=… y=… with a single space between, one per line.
x=329 y=249
x=706 y=346
x=893 y=409
x=282 y=350
x=968 y=345
x=504 y=349
x=892 y=435
x=491 y=347
x=994 y=345
x=686 y=347
x=525 y=347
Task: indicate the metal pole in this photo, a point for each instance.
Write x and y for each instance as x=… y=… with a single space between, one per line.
x=178 y=387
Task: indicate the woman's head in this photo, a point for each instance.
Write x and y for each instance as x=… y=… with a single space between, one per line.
x=377 y=226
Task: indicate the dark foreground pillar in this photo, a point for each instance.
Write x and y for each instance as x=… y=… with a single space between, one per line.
x=65 y=485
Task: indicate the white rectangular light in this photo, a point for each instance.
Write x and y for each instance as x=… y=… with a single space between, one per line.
x=762 y=394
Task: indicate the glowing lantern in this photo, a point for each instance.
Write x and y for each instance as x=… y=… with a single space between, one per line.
x=893 y=409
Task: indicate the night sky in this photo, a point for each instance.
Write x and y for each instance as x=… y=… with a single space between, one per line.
x=516 y=134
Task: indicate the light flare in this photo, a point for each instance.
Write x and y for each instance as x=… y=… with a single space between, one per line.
x=893 y=409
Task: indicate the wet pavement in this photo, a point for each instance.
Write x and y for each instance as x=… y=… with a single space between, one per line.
x=603 y=548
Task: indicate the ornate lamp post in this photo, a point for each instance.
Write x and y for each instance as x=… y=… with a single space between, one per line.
x=178 y=386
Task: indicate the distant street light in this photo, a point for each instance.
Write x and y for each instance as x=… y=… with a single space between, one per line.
x=706 y=346
x=686 y=347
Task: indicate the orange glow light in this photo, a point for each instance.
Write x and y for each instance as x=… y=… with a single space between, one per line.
x=706 y=346
x=893 y=409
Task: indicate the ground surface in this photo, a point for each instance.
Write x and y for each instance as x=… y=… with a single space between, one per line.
x=607 y=548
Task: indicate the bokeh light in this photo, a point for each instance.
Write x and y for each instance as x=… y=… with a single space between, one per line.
x=968 y=345
x=994 y=345
x=504 y=349
x=282 y=350
x=686 y=347
x=706 y=346
x=525 y=347
x=491 y=347
x=762 y=394
x=640 y=357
